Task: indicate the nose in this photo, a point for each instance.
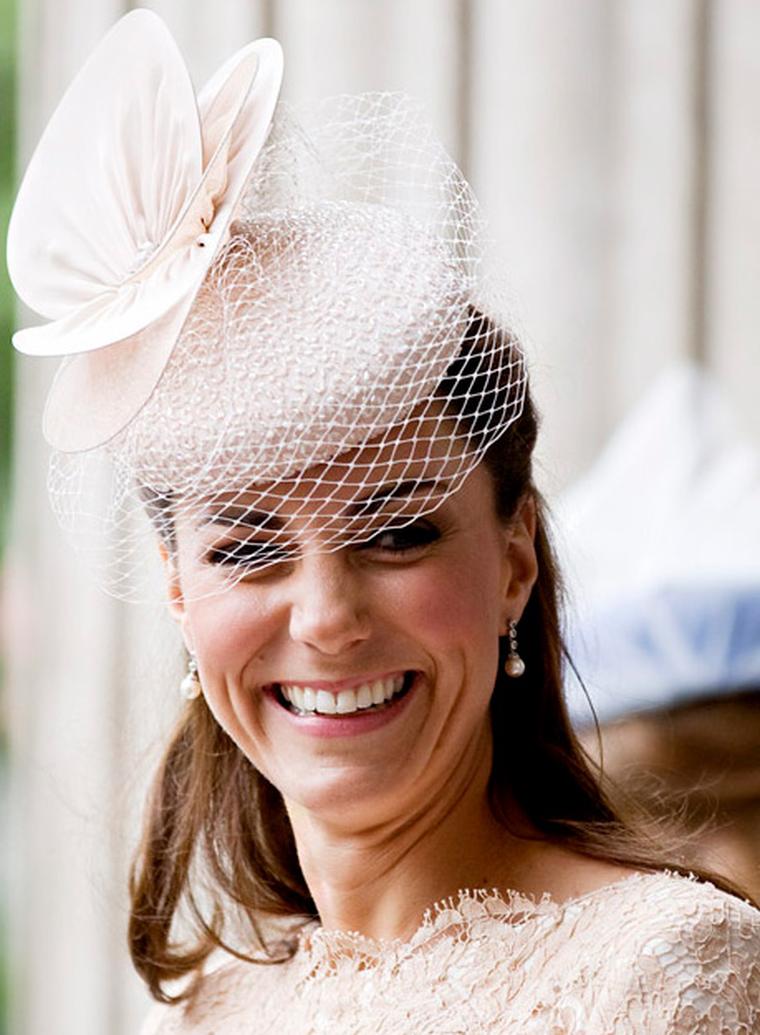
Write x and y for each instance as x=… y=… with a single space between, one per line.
x=329 y=611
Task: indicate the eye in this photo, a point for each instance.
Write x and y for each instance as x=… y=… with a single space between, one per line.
x=403 y=540
x=247 y=553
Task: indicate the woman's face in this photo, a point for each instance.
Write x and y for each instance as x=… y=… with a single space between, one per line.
x=295 y=658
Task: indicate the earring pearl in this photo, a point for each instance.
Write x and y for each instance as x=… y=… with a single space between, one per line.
x=514 y=666
x=190 y=687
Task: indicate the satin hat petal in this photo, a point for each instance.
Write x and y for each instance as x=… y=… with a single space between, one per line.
x=114 y=247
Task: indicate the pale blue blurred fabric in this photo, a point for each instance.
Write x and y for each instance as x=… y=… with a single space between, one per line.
x=672 y=645
x=661 y=545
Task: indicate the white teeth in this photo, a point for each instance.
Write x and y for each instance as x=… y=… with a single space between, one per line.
x=345 y=702
x=326 y=703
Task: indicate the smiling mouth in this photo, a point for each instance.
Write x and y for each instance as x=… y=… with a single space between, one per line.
x=373 y=696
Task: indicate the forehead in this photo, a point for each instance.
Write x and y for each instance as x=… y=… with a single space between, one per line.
x=413 y=468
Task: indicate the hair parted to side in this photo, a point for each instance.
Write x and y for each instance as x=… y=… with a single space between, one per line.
x=218 y=850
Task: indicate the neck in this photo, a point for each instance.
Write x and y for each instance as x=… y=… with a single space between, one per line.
x=378 y=880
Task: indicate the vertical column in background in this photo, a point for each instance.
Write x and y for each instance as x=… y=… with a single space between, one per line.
x=732 y=321
x=208 y=32
x=658 y=195
x=540 y=136
x=60 y=678
x=338 y=46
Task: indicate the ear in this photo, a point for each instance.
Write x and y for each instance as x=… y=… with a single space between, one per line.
x=521 y=564
x=175 y=599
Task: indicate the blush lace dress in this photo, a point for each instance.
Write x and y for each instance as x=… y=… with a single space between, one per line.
x=653 y=954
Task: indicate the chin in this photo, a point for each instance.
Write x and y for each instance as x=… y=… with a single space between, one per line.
x=350 y=795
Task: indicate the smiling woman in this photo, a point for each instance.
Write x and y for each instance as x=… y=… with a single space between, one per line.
x=373 y=786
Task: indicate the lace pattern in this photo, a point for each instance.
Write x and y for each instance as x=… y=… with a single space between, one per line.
x=655 y=953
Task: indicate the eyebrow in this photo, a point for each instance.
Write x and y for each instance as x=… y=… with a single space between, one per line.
x=372 y=503
x=234 y=516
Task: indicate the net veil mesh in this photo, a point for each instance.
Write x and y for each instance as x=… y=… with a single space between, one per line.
x=344 y=366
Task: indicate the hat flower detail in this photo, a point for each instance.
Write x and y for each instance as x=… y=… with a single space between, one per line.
x=124 y=205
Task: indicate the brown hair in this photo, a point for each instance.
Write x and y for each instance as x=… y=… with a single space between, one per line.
x=217 y=842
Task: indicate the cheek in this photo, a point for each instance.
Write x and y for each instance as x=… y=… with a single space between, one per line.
x=453 y=607
x=227 y=631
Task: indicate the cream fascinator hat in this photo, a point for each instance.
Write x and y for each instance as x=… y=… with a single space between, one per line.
x=265 y=313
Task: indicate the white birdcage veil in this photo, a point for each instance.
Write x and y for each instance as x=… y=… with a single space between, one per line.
x=345 y=335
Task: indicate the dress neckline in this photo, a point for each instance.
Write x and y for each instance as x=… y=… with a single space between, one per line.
x=323 y=948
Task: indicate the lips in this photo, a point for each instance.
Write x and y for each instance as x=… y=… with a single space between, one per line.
x=362 y=698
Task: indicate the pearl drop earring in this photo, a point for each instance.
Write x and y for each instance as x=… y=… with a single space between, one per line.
x=514 y=666
x=190 y=687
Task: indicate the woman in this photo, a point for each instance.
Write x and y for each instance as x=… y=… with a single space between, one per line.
x=373 y=788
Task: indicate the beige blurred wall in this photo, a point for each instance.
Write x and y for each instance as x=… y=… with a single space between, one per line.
x=615 y=145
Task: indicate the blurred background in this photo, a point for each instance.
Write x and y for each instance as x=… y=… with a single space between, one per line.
x=615 y=146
